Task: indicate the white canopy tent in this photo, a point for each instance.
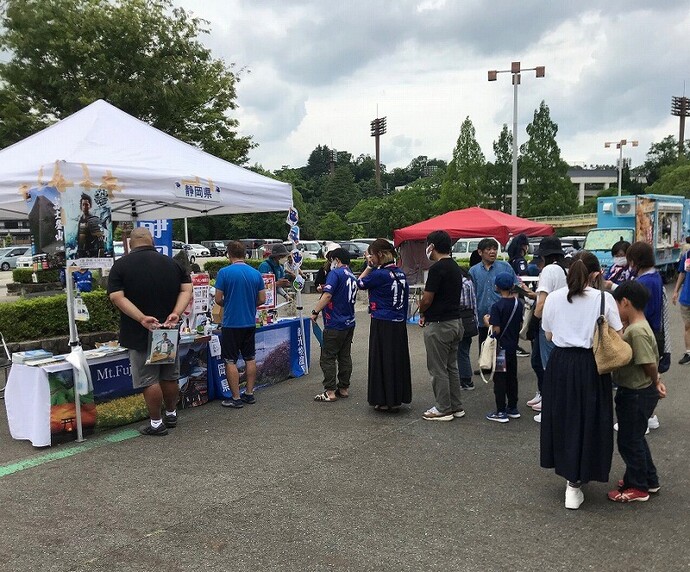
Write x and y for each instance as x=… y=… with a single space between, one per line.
x=148 y=173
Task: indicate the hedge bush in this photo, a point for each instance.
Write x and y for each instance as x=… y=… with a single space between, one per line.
x=46 y=317
x=213 y=266
x=23 y=275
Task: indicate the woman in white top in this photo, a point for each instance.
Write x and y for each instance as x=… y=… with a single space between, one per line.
x=577 y=404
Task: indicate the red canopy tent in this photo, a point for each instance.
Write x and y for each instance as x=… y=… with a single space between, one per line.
x=474 y=222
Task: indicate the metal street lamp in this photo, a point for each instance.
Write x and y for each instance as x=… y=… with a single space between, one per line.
x=619 y=145
x=515 y=72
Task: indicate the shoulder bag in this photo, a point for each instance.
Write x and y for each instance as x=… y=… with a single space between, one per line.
x=487 y=355
x=610 y=351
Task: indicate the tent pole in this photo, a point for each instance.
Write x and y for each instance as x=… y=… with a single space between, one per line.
x=186 y=231
x=300 y=313
x=73 y=343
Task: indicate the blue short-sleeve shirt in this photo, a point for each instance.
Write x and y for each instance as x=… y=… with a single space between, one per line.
x=240 y=284
x=341 y=284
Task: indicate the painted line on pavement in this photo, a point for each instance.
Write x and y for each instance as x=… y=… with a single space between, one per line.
x=67 y=452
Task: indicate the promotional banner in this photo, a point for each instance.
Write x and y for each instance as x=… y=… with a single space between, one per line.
x=270 y=285
x=45 y=223
x=88 y=227
x=161 y=231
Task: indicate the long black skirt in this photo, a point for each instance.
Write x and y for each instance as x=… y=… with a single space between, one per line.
x=390 y=380
x=576 y=417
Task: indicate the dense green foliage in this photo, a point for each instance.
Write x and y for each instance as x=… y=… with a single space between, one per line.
x=25 y=275
x=46 y=317
x=143 y=56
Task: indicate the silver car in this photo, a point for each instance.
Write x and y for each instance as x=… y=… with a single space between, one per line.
x=9 y=255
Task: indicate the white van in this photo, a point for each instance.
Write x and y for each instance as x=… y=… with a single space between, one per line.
x=464 y=247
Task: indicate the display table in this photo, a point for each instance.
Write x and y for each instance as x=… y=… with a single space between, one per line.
x=40 y=400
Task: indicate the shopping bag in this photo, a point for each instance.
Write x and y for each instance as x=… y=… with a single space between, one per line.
x=487 y=357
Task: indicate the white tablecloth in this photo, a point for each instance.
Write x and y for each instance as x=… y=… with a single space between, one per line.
x=27 y=400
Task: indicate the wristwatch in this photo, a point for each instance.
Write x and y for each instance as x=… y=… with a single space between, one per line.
x=314 y=313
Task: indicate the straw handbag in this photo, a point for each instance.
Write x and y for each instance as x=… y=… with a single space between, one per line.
x=610 y=351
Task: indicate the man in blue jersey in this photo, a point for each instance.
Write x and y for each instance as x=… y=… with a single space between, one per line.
x=240 y=288
x=338 y=305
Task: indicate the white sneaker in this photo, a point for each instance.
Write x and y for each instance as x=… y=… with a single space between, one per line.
x=537 y=407
x=536 y=399
x=652 y=423
x=574 y=497
x=434 y=414
x=615 y=426
x=537 y=418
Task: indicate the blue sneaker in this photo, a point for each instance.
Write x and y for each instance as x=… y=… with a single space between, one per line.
x=513 y=413
x=248 y=398
x=498 y=416
x=233 y=403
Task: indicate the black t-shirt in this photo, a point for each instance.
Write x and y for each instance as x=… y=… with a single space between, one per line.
x=151 y=281
x=445 y=281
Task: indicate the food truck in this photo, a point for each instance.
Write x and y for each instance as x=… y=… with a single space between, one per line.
x=660 y=220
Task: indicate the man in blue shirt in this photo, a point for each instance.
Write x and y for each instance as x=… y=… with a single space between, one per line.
x=240 y=288
x=484 y=276
x=338 y=305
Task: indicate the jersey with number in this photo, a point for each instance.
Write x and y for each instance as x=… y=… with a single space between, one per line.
x=388 y=293
x=341 y=284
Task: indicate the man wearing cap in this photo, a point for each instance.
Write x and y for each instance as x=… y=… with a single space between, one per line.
x=337 y=303
x=274 y=265
x=484 y=276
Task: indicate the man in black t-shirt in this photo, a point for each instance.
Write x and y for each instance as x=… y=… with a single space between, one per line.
x=151 y=291
x=440 y=317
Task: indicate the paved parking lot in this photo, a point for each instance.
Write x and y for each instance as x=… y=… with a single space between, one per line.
x=290 y=484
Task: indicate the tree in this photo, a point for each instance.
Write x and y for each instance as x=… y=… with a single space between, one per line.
x=499 y=175
x=466 y=174
x=341 y=193
x=142 y=56
x=547 y=189
x=333 y=227
x=674 y=180
x=661 y=155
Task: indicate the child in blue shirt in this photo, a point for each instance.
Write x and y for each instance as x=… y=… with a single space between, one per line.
x=506 y=320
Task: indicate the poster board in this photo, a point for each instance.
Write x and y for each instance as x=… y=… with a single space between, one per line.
x=270 y=286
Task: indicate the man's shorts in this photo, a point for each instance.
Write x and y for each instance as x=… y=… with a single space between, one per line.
x=144 y=375
x=685 y=312
x=238 y=341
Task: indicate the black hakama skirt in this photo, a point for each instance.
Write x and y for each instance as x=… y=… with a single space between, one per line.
x=389 y=379
x=576 y=417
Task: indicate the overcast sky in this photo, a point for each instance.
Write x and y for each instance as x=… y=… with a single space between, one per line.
x=318 y=71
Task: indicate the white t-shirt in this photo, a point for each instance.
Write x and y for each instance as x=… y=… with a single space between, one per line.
x=572 y=324
x=551 y=278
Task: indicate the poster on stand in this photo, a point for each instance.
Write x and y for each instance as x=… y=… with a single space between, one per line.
x=270 y=285
x=201 y=296
x=88 y=227
x=45 y=224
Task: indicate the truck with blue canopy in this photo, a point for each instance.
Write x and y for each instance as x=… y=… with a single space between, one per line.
x=660 y=220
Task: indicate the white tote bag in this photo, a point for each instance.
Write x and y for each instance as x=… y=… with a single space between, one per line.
x=487 y=357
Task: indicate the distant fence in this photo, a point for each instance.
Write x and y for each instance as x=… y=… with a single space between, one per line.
x=569 y=221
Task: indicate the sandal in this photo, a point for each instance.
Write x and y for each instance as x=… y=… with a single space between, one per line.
x=323 y=397
x=383 y=408
x=340 y=394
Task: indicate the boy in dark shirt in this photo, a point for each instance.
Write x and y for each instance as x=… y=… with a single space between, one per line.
x=506 y=320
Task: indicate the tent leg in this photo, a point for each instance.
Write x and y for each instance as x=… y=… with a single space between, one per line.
x=73 y=343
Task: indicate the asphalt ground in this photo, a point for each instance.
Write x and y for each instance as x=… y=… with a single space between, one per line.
x=290 y=484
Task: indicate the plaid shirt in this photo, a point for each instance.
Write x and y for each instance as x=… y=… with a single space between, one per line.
x=468 y=297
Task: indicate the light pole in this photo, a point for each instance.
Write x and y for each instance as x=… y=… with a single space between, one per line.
x=619 y=145
x=378 y=128
x=515 y=72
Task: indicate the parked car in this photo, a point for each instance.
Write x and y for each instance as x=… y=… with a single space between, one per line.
x=266 y=246
x=309 y=248
x=464 y=247
x=356 y=250
x=215 y=247
x=118 y=249
x=177 y=246
x=26 y=261
x=366 y=241
x=198 y=250
x=10 y=254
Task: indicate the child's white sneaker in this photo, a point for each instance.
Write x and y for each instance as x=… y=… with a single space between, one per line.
x=536 y=399
x=574 y=497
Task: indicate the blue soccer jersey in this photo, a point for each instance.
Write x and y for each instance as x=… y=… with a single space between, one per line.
x=341 y=284
x=388 y=293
